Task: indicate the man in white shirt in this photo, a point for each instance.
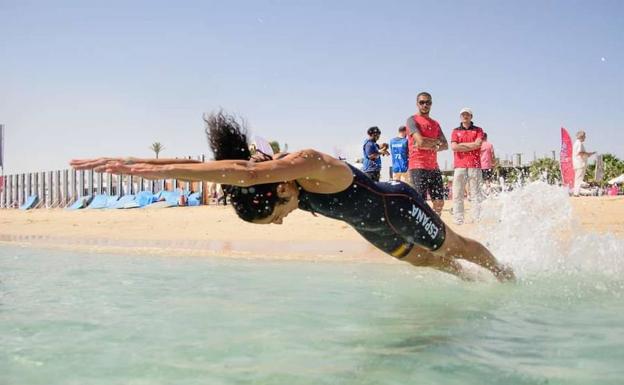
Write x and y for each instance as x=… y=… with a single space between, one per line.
x=579 y=161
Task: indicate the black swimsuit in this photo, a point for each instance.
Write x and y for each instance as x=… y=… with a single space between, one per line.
x=390 y=215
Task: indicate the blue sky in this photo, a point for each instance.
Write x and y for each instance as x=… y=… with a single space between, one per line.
x=92 y=78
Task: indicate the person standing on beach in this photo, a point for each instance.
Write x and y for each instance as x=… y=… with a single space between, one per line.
x=424 y=141
x=488 y=159
x=372 y=154
x=466 y=143
x=398 y=151
x=579 y=161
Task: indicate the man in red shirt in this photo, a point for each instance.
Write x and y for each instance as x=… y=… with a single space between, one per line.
x=466 y=144
x=424 y=141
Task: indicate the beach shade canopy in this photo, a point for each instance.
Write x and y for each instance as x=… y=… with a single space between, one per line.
x=144 y=198
x=30 y=203
x=98 y=202
x=194 y=199
x=112 y=200
x=617 y=180
x=80 y=203
x=164 y=199
x=121 y=202
x=171 y=197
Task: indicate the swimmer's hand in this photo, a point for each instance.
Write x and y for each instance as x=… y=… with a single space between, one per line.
x=98 y=163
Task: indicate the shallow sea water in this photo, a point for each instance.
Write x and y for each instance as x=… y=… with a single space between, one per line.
x=103 y=319
x=78 y=318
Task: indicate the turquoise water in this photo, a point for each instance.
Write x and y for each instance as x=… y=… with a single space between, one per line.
x=106 y=319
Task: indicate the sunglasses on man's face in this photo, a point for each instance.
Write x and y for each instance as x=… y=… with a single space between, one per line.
x=424 y=102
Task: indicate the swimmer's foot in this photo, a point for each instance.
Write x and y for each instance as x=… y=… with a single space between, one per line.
x=505 y=274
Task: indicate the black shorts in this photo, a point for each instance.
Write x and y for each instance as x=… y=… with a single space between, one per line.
x=374 y=175
x=428 y=182
x=487 y=174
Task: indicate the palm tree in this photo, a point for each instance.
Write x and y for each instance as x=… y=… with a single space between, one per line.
x=545 y=167
x=275 y=146
x=157 y=147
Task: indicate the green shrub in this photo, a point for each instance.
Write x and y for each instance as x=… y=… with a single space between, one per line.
x=545 y=167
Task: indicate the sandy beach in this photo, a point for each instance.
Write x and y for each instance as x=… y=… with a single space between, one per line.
x=216 y=231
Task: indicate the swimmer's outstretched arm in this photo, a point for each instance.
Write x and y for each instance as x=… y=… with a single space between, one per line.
x=88 y=164
x=306 y=164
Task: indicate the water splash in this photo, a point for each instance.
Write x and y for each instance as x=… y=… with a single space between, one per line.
x=534 y=229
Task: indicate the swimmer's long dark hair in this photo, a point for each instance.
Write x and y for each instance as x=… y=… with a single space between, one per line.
x=228 y=140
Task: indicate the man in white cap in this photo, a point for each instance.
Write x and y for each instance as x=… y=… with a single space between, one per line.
x=466 y=145
x=579 y=161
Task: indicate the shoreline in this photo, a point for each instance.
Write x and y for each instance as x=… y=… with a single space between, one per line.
x=216 y=231
x=339 y=251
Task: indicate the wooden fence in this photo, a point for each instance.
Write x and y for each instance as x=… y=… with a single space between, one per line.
x=61 y=188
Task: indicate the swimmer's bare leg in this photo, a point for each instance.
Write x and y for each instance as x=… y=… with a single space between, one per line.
x=451 y=266
x=419 y=256
x=472 y=251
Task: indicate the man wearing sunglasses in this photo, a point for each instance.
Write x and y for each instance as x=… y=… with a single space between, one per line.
x=424 y=141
